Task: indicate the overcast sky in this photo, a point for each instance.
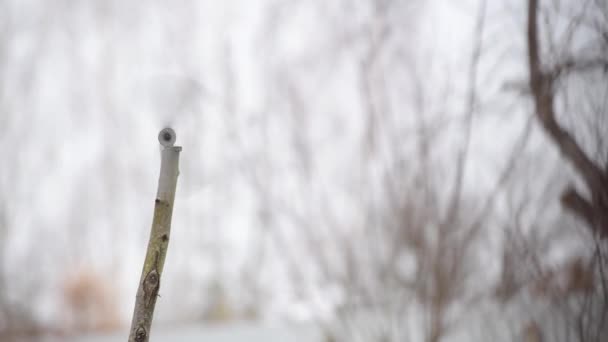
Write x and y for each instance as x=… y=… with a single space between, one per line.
x=86 y=86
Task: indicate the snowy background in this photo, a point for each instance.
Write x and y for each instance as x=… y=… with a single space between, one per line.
x=355 y=169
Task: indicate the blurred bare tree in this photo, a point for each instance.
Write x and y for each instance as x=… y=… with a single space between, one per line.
x=550 y=83
x=566 y=298
x=567 y=82
x=393 y=239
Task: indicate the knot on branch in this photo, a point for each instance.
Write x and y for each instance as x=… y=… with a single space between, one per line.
x=159 y=202
x=140 y=334
x=151 y=286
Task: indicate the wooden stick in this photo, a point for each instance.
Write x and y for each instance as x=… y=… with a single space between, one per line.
x=149 y=283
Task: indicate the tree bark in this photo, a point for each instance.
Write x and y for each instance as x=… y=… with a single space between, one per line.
x=149 y=283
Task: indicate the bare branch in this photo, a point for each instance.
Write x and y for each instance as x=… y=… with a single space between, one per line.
x=575 y=202
x=149 y=285
x=470 y=112
x=579 y=65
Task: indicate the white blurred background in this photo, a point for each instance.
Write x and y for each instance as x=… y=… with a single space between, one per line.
x=352 y=170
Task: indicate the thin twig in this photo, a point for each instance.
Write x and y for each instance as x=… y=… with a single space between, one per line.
x=149 y=283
